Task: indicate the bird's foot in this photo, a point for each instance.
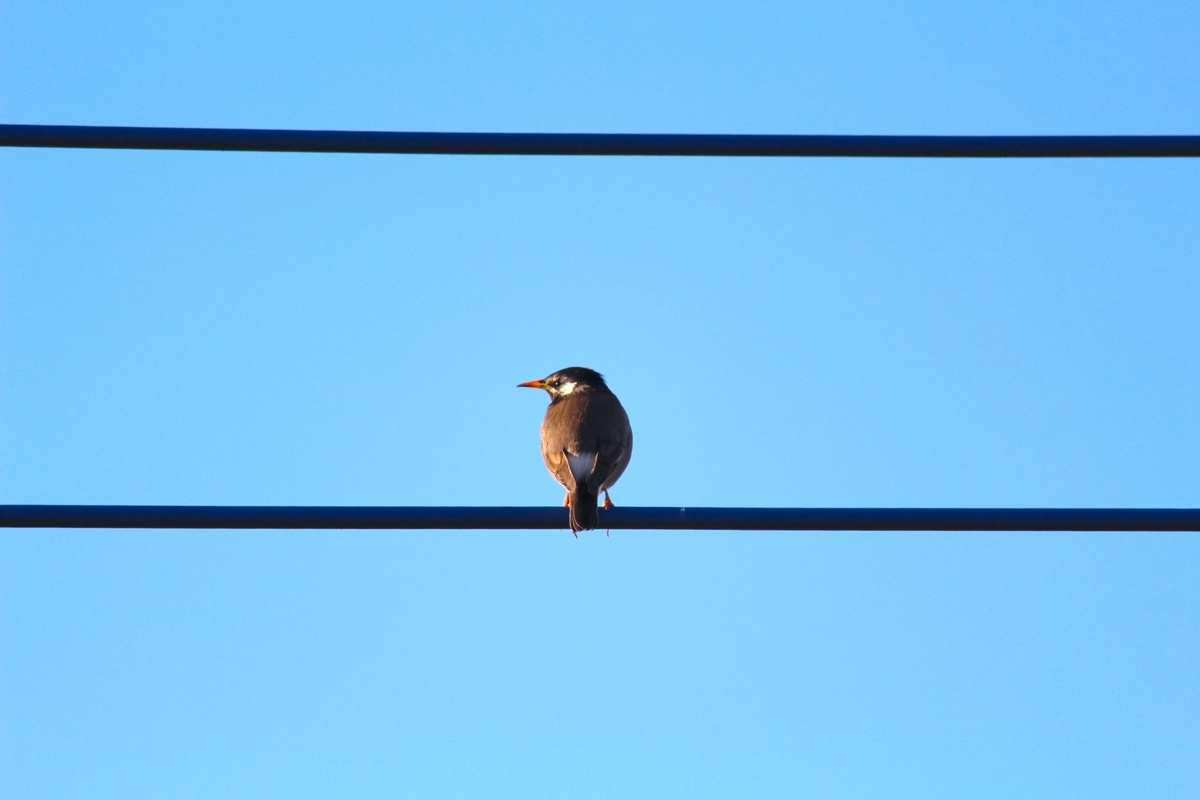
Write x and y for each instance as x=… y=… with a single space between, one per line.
x=608 y=503
x=567 y=500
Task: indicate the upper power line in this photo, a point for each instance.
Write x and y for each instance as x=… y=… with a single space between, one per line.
x=598 y=144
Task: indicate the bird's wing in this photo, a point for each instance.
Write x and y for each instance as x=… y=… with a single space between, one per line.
x=611 y=459
x=614 y=440
x=560 y=467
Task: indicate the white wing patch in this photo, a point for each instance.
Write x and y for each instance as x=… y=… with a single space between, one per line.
x=581 y=465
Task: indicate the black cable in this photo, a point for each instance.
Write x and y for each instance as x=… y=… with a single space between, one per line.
x=624 y=517
x=597 y=144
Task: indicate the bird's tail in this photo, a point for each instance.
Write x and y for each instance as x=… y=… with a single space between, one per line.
x=584 y=514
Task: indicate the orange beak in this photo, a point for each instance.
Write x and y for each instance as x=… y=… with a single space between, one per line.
x=538 y=384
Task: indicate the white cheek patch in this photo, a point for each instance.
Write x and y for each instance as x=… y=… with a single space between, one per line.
x=581 y=465
x=566 y=388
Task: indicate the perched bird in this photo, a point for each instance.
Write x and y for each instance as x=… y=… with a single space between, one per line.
x=586 y=440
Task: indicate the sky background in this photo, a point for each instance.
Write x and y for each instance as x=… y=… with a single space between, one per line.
x=337 y=329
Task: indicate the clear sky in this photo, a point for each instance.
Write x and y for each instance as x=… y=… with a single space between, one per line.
x=335 y=329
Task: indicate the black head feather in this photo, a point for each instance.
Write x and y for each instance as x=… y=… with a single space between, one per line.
x=566 y=382
x=582 y=376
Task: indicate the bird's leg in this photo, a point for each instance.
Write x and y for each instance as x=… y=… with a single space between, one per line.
x=567 y=500
x=608 y=503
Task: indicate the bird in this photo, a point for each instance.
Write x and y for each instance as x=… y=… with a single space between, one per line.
x=586 y=440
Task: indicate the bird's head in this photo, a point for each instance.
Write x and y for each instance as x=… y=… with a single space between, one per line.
x=568 y=381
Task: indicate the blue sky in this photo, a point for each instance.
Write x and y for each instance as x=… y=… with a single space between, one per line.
x=269 y=328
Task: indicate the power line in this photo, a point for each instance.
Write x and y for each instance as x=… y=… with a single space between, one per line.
x=624 y=517
x=597 y=144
